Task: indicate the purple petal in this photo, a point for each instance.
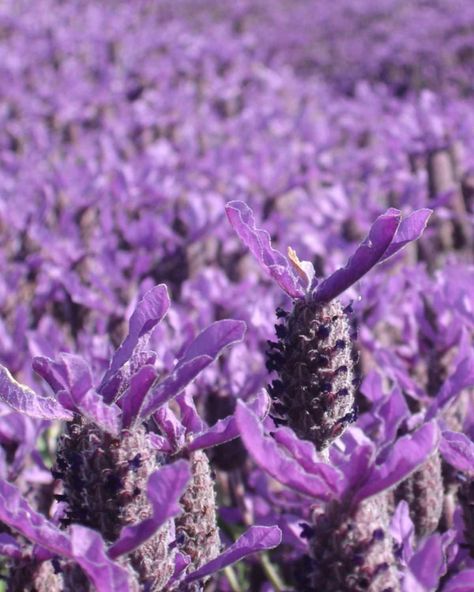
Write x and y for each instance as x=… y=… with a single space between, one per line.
x=165 y=488
x=77 y=374
x=149 y=312
x=406 y=455
x=463 y=377
x=9 y=546
x=257 y=538
x=171 y=426
x=458 y=451
x=92 y=406
x=461 y=582
x=214 y=339
x=160 y=443
x=305 y=455
x=49 y=371
x=258 y=242
x=21 y=398
x=356 y=460
x=410 y=229
x=88 y=550
x=269 y=457
x=20 y=516
x=402 y=530
x=392 y=412
x=190 y=418
x=367 y=254
x=226 y=429
x=428 y=564
x=203 y=350
x=133 y=398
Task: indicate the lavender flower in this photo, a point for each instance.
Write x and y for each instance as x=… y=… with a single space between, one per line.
x=315 y=391
x=115 y=471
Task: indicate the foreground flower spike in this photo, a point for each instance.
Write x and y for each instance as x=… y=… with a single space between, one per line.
x=314 y=355
x=350 y=545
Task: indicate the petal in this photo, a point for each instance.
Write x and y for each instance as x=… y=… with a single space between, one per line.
x=410 y=229
x=367 y=254
x=305 y=455
x=9 y=546
x=462 y=377
x=257 y=538
x=461 y=582
x=402 y=530
x=190 y=418
x=132 y=400
x=149 y=312
x=214 y=339
x=21 y=398
x=273 y=460
x=92 y=406
x=226 y=429
x=406 y=455
x=165 y=488
x=458 y=451
x=203 y=351
x=88 y=550
x=258 y=242
x=16 y=513
x=428 y=564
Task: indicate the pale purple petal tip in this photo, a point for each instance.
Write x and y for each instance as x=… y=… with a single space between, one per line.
x=258 y=242
x=207 y=346
x=458 y=451
x=410 y=229
x=149 y=312
x=269 y=457
x=165 y=488
x=368 y=254
x=405 y=456
x=21 y=398
x=88 y=550
x=256 y=539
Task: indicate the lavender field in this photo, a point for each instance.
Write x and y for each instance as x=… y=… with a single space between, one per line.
x=237 y=296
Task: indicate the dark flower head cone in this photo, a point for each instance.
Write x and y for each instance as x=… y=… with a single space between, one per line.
x=353 y=551
x=424 y=493
x=314 y=358
x=105 y=488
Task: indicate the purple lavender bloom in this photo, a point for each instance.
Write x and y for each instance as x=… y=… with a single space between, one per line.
x=348 y=540
x=314 y=355
x=122 y=498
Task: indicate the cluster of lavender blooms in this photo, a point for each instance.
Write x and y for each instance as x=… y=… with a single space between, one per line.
x=327 y=446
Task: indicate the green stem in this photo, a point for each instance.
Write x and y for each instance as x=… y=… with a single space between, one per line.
x=232 y=579
x=271 y=573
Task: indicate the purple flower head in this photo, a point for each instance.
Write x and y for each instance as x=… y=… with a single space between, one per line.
x=122 y=497
x=351 y=517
